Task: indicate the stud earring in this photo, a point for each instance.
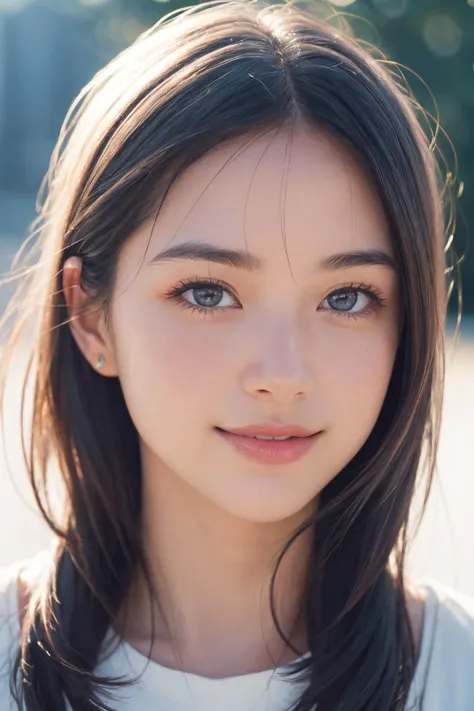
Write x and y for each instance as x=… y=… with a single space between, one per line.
x=100 y=362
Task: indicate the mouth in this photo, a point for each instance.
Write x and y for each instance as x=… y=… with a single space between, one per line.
x=270 y=448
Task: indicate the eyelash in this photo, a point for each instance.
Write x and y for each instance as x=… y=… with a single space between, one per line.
x=176 y=293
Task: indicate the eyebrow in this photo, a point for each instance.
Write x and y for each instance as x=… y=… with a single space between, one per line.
x=202 y=251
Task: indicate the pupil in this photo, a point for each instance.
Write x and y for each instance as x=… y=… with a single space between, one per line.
x=343 y=300
x=207 y=296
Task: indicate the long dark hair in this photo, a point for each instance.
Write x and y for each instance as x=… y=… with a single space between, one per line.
x=210 y=73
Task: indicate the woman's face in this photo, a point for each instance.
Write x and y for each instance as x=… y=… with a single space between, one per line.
x=300 y=327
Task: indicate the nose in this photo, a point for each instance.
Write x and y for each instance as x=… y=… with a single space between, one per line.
x=281 y=373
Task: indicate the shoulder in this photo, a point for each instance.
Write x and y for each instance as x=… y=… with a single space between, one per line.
x=446 y=656
x=455 y=621
x=9 y=608
x=455 y=616
x=16 y=581
x=9 y=628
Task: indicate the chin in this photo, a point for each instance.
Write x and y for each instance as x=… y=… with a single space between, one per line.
x=267 y=508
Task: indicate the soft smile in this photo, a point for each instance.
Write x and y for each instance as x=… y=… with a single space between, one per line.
x=271 y=445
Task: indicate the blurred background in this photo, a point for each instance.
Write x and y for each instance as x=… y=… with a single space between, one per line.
x=50 y=48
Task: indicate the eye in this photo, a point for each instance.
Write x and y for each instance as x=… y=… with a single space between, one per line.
x=351 y=301
x=208 y=296
x=204 y=296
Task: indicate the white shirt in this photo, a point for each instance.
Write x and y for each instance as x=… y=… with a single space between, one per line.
x=446 y=661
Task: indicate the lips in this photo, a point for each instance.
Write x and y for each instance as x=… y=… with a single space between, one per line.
x=298 y=440
x=272 y=431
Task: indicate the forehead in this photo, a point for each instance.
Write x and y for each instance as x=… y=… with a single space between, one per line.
x=304 y=187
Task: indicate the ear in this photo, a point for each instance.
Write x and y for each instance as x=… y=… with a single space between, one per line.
x=87 y=325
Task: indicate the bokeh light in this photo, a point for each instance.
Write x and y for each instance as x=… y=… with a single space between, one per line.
x=120 y=31
x=391 y=8
x=342 y=3
x=14 y=5
x=442 y=35
x=93 y=3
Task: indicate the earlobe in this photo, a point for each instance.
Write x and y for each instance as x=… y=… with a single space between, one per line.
x=86 y=325
x=100 y=362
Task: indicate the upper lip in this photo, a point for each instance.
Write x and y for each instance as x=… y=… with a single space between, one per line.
x=272 y=430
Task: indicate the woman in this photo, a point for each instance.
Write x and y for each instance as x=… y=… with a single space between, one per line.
x=238 y=371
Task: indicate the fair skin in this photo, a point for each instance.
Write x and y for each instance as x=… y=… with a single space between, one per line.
x=275 y=349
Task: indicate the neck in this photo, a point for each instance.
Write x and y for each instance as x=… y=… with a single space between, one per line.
x=211 y=573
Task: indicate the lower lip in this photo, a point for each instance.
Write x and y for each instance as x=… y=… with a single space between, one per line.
x=267 y=451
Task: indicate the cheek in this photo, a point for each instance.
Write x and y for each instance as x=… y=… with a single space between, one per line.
x=355 y=366
x=169 y=359
x=358 y=370
x=367 y=361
